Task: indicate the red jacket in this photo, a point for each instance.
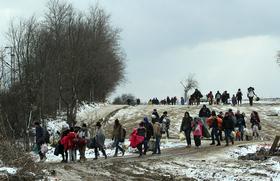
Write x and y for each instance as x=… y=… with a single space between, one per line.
x=135 y=139
x=69 y=141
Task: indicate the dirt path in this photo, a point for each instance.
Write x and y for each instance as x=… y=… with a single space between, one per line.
x=132 y=167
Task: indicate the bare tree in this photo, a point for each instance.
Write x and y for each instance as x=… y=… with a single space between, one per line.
x=188 y=84
x=62 y=59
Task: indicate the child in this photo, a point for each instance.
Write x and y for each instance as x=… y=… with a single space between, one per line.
x=197 y=131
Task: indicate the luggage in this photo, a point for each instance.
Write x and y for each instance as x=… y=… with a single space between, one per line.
x=58 y=149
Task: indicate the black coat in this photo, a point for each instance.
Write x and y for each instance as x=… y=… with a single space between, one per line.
x=149 y=130
x=228 y=123
x=186 y=123
x=204 y=112
x=40 y=135
x=240 y=121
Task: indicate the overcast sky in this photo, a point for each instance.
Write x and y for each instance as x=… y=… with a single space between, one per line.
x=226 y=44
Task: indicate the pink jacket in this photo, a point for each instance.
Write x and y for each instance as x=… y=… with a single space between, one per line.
x=198 y=129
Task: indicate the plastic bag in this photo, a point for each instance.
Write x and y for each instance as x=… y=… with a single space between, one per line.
x=44 y=148
x=182 y=136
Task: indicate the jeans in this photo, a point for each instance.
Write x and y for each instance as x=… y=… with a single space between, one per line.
x=157 y=145
x=241 y=130
x=228 y=135
x=73 y=155
x=116 y=143
x=188 y=136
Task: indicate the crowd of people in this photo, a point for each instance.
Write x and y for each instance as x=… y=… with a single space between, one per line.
x=217 y=98
x=147 y=136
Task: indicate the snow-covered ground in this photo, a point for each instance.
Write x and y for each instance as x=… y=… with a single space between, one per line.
x=207 y=163
x=165 y=144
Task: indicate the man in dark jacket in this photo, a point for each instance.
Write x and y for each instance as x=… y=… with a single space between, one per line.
x=141 y=131
x=149 y=133
x=240 y=123
x=239 y=97
x=40 y=139
x=186 y=126
x=228 y=126
x=197 y=96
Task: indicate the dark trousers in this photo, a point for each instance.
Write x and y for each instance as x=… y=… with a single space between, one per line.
x=228 y=135
x=188 y=136
x=140 y=148
x=146 y=141
x=251 y=100
x=167 y=132
x=215 y=135
x=197 y=140
x=101 y=149
x=65 y=156
x=117 y=142
x=157 y=145
x=221 y=134
x=241 y=130
x=239 y=101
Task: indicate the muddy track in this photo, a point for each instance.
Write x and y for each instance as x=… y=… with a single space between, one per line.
x=133 y=167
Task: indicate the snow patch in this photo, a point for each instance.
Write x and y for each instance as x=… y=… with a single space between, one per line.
x=9 y=170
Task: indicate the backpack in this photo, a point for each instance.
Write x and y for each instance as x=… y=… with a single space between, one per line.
x=46 y=135
x=123 y=135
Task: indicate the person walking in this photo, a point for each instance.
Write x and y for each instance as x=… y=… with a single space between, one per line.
x=165 y=123
x=228 y=126
x=256 y=123
x=84 y=137
x=141 y=131
x=40 y=140
x=149 y=133
x=251 y=94
x=240 y=123
x=233 y=100
x=218 y=96
x=186 y=126
x=239 y=97
x=214 y=122
x=204 y=113
x=99 y=141
x=157 y=136
x=118 y=136
x=197 y=131
x=210 y=97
